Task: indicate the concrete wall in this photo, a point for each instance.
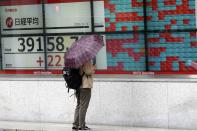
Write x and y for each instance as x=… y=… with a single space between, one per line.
x=135 y=103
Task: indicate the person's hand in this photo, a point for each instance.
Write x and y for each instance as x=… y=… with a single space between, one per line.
x=81 y=70
x=94 y=68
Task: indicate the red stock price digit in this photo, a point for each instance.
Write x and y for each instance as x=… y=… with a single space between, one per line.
x=57 y=59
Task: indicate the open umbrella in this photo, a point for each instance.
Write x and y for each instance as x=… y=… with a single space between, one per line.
x=83 y=50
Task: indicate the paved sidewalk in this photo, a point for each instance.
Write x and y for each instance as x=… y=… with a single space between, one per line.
x=28 y=126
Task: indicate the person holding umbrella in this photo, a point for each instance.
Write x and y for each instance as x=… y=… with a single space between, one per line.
x=83 y=96
x=79 y=56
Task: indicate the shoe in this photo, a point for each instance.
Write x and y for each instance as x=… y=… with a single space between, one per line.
x=74 y=128
x=84 y=128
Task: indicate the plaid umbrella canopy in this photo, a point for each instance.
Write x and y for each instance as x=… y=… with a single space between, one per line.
x=83 y=50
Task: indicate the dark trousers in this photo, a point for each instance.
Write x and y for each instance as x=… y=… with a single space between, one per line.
x=83 y=99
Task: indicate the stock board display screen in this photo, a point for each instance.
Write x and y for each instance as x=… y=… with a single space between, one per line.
x=35 y=35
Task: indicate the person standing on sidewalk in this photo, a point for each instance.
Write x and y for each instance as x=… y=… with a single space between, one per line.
x=83 y=96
